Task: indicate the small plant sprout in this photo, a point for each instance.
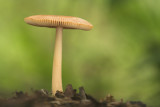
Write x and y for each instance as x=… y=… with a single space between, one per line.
x=60 y=23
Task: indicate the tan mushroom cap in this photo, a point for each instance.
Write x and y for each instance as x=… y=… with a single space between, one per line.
x=53 y=21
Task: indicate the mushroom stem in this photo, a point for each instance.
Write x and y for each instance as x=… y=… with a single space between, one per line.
x=57 y=62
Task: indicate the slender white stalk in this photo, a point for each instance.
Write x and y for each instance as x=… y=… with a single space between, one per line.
x=57 y=63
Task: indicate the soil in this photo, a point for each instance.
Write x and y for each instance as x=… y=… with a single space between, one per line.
x=68 y=98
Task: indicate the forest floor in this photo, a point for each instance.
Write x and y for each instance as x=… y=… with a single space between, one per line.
x=68 y=98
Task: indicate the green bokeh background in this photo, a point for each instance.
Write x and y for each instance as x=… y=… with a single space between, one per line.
x=120 y=55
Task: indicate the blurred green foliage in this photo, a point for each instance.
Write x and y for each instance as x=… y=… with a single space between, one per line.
x=120 y=55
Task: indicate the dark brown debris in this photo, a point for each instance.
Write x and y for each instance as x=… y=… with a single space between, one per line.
x=82 y=93
x=70 y=98
x=69 y=92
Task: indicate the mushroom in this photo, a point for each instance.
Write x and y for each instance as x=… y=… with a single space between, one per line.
x=60 y=23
